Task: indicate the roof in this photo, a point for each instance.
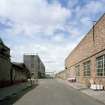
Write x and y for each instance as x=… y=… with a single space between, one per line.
x=21 y=66
x=17 y=64
x=3 y=45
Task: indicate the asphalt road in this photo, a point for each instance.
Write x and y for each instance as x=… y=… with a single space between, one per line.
x=54 y=92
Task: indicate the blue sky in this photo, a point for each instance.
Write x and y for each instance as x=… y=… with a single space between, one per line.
x=50 y=28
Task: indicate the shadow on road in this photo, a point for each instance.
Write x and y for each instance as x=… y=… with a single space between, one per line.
x=15 y=97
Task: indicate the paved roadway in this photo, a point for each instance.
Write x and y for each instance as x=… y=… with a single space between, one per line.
x=54 y=92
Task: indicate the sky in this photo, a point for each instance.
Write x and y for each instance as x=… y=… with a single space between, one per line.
x=49 y=28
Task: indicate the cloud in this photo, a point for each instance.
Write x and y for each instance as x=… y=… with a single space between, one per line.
x=84 y=13
x=33 y=16
x=50 y=29
x=72 y=3
x=52 y=55
x=91 y=8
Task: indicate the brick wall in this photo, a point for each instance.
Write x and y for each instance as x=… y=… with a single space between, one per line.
x=89 y=48
x=61 y=75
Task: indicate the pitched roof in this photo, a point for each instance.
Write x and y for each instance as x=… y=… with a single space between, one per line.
x=21 y=67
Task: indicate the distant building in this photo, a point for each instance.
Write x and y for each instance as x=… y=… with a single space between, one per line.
x=5 y=65
x=50 y=75
x=87 y=61
x=11 y=73
x=41 y=72
x=61 y=75
x=35 y=65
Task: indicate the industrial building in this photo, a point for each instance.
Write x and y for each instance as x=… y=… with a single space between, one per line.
x=5 y=65
x=11 y=73
x=87 y=61
x=19 y=73
x=35 y=65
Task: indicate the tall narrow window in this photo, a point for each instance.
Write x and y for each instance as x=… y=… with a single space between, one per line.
x=32 y=65
x=77 y=68
x=100 y=65
x=87 y=68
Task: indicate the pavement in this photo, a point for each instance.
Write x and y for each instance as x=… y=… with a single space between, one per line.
x=98 y=95
x=12 y=90
x=75 y=85
x=52 y=92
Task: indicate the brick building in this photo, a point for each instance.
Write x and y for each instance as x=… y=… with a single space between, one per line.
x=35 y=65
x=87 y=61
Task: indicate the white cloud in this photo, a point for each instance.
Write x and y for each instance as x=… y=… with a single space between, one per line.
x=72 y=3
x=90 y=8
x=34 y=16
x=52 y=56
x=59 y=37
x=86 y=21
x=41 y=21
x=94 y=7
x=84 y=14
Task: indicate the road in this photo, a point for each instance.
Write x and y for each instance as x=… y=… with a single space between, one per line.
x=53 y=92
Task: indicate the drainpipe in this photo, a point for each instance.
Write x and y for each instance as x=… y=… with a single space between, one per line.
x=94 y=48
x=11 y=75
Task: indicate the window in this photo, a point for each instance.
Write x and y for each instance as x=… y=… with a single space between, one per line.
x=87 y=68
x=32 y=65
x=77 y=68
x=100 y=65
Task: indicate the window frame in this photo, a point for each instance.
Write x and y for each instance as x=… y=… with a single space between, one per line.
x=87 y=68
x=77 y=69
x=102 y=66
